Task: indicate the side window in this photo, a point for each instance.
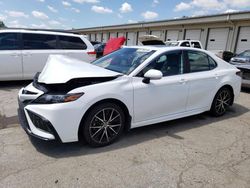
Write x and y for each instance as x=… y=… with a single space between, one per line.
x=9 y=41
x=199 y=61
x=38 y=41
x=212 y=63
x=71 y=43
x=196 y=44
x=185 y=44
x=169 y=64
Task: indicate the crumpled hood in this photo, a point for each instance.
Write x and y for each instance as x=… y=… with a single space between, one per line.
x=61 y=69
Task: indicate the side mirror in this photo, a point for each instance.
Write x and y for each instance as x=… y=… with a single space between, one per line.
x=152 y=74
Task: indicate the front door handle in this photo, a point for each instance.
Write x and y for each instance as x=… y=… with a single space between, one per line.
x=182 y=81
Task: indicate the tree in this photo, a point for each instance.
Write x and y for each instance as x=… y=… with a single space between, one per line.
x=2 y=24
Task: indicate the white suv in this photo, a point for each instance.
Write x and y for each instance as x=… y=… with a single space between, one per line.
x=24 y=52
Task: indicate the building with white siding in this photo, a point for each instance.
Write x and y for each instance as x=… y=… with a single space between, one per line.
x=230 y=31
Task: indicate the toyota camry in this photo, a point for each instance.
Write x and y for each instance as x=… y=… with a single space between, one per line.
x=131 y=87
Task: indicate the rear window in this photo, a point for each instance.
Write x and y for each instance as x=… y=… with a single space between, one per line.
x=185 y=44
x=9 y=41
x=71 y=43
x=196 y=44
x=39 y=41
x=199 y=61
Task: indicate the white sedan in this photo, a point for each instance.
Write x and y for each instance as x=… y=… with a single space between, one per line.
x=131 y=87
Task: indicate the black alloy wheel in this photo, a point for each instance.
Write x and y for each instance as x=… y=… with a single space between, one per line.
x=222 y=100
x=104 y=124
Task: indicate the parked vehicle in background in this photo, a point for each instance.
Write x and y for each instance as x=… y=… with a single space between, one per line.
x=24 y=52
x=185 y=43
x=242 y=62
x=131 y=87
x=99 y=49
x=150 y=40
x=113 y=44
x=154 y=40
x=225 y=55
x=95 y=42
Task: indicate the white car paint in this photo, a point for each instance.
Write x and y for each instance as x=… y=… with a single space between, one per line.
x=168 y=98
x=23 y=64
x=70 y=68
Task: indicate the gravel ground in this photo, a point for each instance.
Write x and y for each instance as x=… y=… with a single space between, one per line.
x=198 y=151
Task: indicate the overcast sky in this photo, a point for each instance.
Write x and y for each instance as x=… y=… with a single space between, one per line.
x=67 y=14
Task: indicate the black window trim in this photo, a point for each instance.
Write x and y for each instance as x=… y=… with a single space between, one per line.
x=19 y=44
x=60 y=46
x=196 y=51
x=22 y=42
x=172 y=51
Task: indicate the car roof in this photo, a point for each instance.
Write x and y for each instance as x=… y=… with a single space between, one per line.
x=165 y=48
x=40 y=31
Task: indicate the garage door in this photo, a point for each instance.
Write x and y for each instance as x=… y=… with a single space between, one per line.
x=159 y=34
x=92 y=37
x=172 y=35
x=104 y=37
x=121 y=34
x=113 y=35
x=217 y=39
x=193 y=34
x=131 y=38
x=99 y=37
x=243 y=40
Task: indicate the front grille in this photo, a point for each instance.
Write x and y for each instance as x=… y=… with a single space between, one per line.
x=40 y=122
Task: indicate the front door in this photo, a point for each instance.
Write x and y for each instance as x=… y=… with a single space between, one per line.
x=163 y=97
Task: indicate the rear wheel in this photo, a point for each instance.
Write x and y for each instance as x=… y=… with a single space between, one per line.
x=222 y=100
x=104 y=124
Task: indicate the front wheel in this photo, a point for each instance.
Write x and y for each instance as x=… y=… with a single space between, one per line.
x=104 y=124
x=222 y=100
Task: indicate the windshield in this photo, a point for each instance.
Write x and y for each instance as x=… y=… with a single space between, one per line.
x=172 y=43
x=245 y=54
x=124 y=60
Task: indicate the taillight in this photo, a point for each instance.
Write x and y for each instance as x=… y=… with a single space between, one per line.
x=239 y=73
x=92 y=53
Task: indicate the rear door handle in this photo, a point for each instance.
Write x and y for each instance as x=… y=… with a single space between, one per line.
x=183 y=81
x=216 y=76
x=14 y=54
x=27 y=54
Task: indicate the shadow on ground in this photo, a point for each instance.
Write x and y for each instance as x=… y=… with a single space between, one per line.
x=9 y=85
x=245 y=90
x=136 y=136
x=6 y=122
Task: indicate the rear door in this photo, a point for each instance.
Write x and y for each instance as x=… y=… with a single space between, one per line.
x=10 y=56
x=75 y=47
x=202 y=79
x=36 y=50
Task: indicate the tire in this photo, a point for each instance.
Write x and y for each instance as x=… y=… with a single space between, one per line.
x=104 y=124
x=222 y=100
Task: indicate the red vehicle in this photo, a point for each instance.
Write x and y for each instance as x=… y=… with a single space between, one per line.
x=113 y=44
